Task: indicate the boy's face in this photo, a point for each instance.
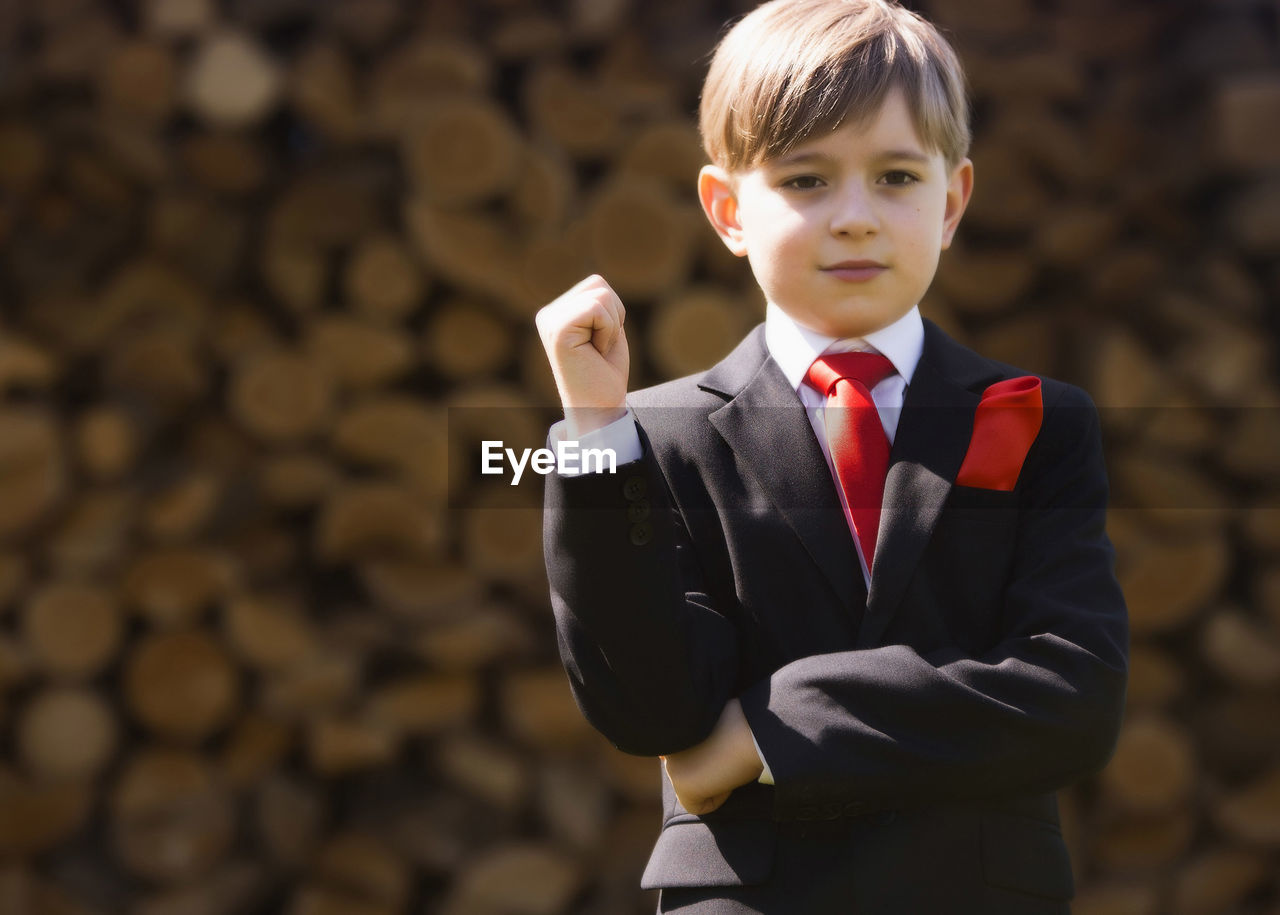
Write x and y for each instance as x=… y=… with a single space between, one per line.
x=866 y=192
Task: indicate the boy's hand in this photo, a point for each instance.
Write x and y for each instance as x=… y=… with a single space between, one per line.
x=704 y=776
x=585 y=342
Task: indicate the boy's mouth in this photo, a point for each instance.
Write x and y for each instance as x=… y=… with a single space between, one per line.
x=855 y=271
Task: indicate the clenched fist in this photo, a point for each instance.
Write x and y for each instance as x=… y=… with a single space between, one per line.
x=586 y=344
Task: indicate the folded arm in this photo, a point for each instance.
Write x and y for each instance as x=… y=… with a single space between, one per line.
x=890 y=726
x=650 y=662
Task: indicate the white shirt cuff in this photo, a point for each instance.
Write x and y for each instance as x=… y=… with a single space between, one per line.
x=620 y=437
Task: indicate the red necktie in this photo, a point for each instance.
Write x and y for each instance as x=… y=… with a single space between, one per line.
x=859 y=447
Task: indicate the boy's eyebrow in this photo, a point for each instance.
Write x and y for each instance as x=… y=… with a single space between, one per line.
x=909 y=155
x=800 y=158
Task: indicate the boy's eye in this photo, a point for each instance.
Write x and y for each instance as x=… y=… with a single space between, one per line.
x=900 y=178
x=803 y=182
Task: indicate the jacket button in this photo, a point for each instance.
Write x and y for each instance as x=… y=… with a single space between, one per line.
x=635 y=488
x=641 y=533
x=638 y=511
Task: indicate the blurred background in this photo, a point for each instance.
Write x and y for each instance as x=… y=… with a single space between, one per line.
x=268 y=268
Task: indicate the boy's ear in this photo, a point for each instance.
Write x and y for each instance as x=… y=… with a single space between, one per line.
x=959 y=190
x=716 y=190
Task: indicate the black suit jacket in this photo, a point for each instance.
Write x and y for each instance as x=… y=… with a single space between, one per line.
x=932 y=719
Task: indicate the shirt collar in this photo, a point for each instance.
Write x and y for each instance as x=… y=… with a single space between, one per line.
x=794 y=347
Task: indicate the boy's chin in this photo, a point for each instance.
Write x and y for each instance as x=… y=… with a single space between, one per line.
x=855 y=323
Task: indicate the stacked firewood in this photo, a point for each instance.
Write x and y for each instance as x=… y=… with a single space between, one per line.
x=269 y=639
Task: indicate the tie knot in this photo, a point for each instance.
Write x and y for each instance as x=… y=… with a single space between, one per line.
x=867 y=369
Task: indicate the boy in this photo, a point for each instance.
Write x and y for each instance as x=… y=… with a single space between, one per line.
x=852 y=583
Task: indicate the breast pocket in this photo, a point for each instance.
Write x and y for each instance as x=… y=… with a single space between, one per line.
x=978 y=526
x=991 y=506
x=970 y=560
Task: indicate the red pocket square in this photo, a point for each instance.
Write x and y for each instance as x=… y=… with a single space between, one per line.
x=1005 y=424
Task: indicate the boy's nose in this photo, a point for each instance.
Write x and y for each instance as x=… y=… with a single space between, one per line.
x=854 y=213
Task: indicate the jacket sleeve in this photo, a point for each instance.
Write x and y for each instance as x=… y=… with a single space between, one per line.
x=650 y=663
x=889 y=727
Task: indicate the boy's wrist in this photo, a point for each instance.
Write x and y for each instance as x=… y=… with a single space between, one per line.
x=705 y=775
x=738 y=744
x=581 y=420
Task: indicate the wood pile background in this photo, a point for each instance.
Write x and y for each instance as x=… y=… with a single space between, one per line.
x=270 y=643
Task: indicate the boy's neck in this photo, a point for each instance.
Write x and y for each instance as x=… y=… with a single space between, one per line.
x=794 y=347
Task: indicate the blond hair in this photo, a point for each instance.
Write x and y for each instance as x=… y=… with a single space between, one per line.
x=795 y=69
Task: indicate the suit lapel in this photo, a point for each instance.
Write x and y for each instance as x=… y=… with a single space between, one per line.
x=769 y=431
x=767 y=428
x=932 y=437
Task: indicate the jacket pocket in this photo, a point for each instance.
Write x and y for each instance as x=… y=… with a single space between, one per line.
x=695 y=852
x=973 y=503
x=1020 y=853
